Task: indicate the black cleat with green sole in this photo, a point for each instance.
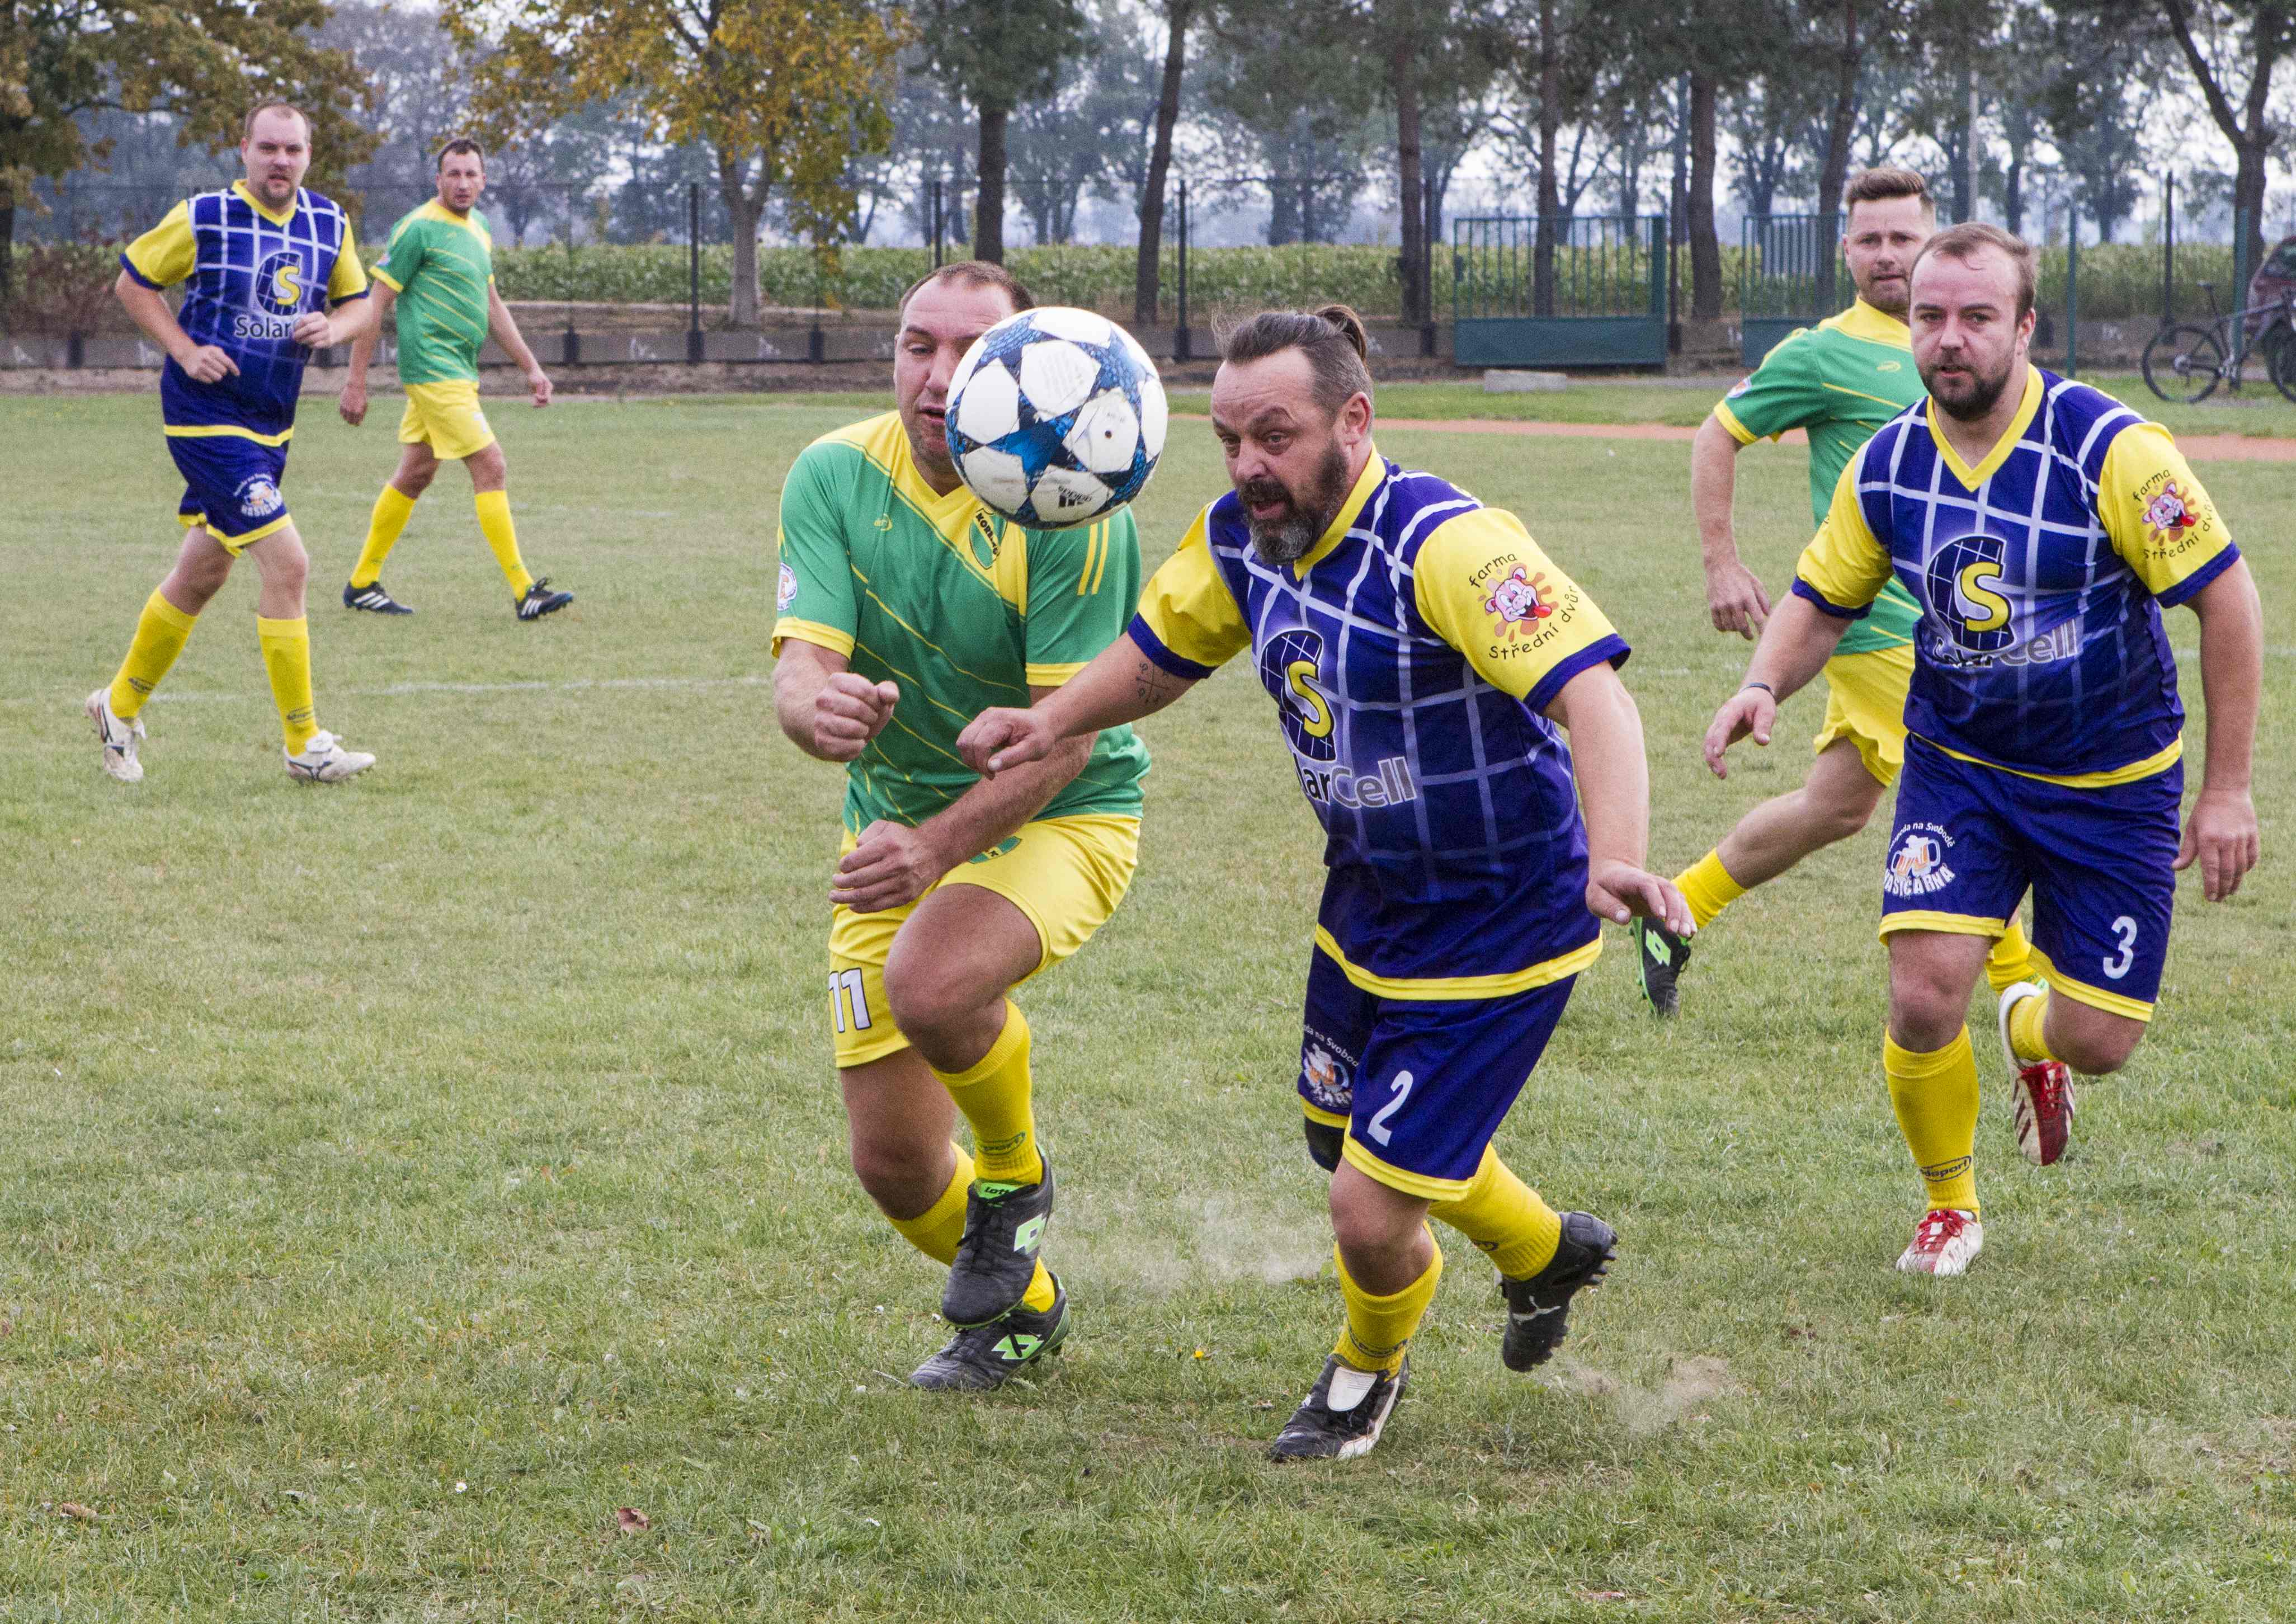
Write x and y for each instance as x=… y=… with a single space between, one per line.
x=1660 y=957
x=983 y=1357
x=1004 y=1232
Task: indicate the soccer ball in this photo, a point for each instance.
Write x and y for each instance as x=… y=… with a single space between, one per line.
x=1055 y=417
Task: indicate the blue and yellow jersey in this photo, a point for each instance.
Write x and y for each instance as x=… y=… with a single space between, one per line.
x=252 y=273
x=2040 y=574
x=1409 y=655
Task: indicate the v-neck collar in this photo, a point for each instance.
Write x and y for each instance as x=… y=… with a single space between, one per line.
x=1972 y=478
x=247 y=195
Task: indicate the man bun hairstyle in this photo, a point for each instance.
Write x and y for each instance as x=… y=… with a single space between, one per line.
x=1883 y=182
x=1964 y=243
x=974 y=274
x=456 y=148
x=1333 y=338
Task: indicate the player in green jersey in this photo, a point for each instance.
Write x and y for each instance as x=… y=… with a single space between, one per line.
x=439 y=269
x=1839 y=382
x=906 y=608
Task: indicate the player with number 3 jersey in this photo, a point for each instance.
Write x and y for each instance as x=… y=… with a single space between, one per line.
x=2041 y=526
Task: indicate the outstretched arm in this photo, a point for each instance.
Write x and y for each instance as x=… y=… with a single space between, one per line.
x=1120 y=685
x=1607 y=757
x=1795 y=646
x=2220 y=832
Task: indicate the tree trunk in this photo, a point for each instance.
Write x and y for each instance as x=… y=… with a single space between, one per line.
x=1705 y=248
x=2012 y=193
x=1550 y=127
x=7 y=254
x=1964 y=165
x=1146 y=287
x=1841 y=119
x=1404 y=76
x=742 y=213
x=988 y=206
x=2246 y=128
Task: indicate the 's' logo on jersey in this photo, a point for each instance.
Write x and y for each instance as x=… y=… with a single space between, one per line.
x=1288 y=666
x=1517 y=606
x=1918 y=864
x=278 y=285
x=1966 y=592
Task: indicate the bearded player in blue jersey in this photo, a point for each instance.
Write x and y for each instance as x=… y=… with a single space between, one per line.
x=1426 y=659
x=274 y=275
x=2041 y=527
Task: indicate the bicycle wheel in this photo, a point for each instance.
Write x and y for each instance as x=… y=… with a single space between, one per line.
x=2184 y=362
x=2282 y=357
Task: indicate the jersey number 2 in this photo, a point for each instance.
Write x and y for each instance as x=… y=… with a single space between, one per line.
x=1377 y=1126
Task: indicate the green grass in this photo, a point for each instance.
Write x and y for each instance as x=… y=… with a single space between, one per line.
x=397 y=1179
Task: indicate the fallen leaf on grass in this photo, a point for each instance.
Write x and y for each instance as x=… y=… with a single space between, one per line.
x=630 y=1520
x=76 y=1510
x=1605 y=1595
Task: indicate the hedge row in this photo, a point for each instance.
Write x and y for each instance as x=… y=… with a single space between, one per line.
x=63 y=288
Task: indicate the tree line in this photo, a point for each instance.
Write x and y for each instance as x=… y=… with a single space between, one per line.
x=823 y=115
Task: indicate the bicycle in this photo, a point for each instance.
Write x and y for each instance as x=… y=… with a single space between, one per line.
x=2191 y=359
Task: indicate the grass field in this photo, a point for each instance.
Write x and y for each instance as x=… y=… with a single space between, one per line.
x=398 y=1179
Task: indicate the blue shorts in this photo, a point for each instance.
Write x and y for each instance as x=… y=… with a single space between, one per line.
x=1970 y=840
x=1421 y=1087
x=231 y=484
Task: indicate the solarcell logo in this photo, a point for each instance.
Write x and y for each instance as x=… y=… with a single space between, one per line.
x=1918 y=863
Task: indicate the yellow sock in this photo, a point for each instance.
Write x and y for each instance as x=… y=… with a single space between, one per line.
x=994 y=1096
x=502 y=536
x=287 y=658
x=1506 y=1219
x=392 y=509
x=1935 y=1097
x=936 y=1231
x=162 y=630
x=1707 y=887
x=2011 y=959
x=1379 y=1328
x=2027 y=1030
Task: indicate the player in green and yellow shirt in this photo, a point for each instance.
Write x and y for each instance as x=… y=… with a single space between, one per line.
x=906 y=608
x=1837 y=381
x=440 y=268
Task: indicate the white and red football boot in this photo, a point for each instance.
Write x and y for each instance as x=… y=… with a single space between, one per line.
x=2041 y=1090
x=1946 y=1242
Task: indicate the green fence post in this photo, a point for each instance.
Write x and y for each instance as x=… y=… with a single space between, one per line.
x=2241 y=272
x=2073 y=289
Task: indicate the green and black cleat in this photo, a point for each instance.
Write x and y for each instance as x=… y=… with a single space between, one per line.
x=983 y=1357
x=1660 y=957
x=1004 y=1232
x=1538 y=1309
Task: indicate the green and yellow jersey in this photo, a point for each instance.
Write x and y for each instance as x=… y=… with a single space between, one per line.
x=1839 y=382
x=958 y=605
x=440 y=265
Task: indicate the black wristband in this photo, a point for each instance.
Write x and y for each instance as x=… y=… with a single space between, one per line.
x=1764 y=686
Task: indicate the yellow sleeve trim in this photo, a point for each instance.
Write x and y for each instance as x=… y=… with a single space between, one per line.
x=1459 y=989
x=1397 y=1179
x=1949 y=925
x=1052 y=675
x=2160 y=761
x=224 y=431
x=1728 y=419
x=1845 y=563
x=2095 y=997
x=814 y=632
x=389 y=280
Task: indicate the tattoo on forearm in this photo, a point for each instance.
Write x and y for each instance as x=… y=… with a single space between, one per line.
x=1153 y=684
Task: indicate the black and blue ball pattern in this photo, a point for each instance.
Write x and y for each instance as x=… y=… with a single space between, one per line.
x=1055 y=417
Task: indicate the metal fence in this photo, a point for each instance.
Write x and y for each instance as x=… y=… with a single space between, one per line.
x=1560 y=293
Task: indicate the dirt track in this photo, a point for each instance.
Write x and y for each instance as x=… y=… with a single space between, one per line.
x=2199 y=447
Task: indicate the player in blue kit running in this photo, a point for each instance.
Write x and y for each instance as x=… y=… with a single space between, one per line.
x=1425 y=659
x=2041 y=527
x=267 y=261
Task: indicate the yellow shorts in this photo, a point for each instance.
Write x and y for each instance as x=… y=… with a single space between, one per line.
x=1066 y=874
x=445 y=417
x=1866 y=704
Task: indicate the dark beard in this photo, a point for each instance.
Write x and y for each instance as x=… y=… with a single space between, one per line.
x=1985 y=397
x=1290 y=537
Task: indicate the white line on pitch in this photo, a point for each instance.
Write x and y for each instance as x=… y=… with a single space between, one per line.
x=406 y=689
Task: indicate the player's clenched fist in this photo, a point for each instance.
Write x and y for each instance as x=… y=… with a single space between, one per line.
x=208 y=365
x=1749 y=711
x=996 y=740
x=849 y=712
x=1620 y=892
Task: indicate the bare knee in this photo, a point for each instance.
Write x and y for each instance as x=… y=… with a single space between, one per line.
x=1841 y=819
x=905 y=1174
x=929 y=995
x=1927 y=1009
x=2094 y=1044
x=490 y=468
x=193 y=581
